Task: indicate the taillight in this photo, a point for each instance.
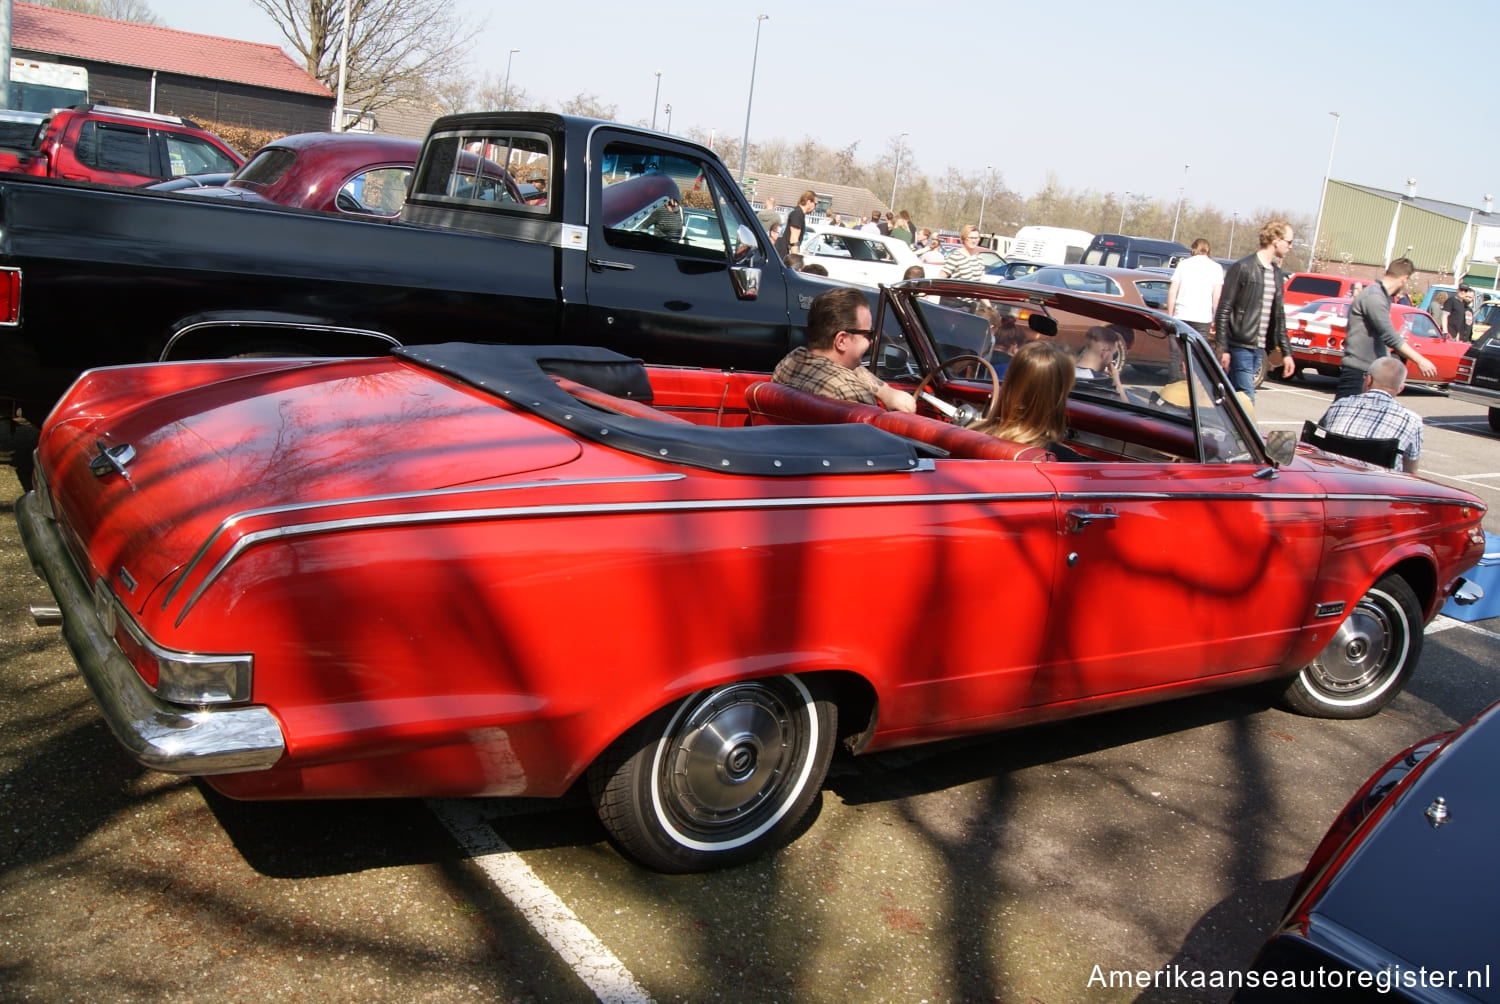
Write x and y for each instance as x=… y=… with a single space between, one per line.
x=1465 y=369
x=10 y=295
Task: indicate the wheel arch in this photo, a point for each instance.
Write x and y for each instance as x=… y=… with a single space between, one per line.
x=220 y=334
x=1420 y=574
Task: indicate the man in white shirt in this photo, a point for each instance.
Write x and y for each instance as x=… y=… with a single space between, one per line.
x=1193 y=296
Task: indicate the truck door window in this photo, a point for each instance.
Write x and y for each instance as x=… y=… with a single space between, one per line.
x=498 y=168
x=106 y=146
x=651 y=200
x=191 y=155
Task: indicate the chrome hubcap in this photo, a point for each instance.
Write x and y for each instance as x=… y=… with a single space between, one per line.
x=731 y=755
x=1360 y=650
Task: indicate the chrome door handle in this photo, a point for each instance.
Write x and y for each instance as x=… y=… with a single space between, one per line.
x=1078 y=519
x=599 y=265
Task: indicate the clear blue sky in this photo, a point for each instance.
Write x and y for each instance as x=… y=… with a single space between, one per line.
x=1103 y=95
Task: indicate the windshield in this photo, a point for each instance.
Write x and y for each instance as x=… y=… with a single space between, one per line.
x=1153 y=395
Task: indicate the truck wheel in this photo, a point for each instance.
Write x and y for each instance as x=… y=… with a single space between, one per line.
x=1495 y=419
x=1368 y=660
x=721 y=777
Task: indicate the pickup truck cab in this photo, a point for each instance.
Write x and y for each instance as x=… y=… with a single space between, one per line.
x=118 y=146
x=519 y=227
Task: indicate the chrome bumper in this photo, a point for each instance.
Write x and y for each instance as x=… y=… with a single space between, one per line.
x=172 y=738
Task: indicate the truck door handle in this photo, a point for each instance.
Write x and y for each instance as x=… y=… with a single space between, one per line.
x=1078 y=519
x=599 y=265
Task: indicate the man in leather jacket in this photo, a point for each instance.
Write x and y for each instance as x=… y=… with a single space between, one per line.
x=1252 y=316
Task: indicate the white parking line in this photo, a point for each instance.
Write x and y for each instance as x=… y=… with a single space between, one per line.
x=1442 y=622
x=548 y=915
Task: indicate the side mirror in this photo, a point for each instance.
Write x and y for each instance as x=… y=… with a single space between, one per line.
x=1281 y=446
x=1042 y=325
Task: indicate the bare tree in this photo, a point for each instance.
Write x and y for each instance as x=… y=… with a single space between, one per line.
x=120 y=10
x=397 y=48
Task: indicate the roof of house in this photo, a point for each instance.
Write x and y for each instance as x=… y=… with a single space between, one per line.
x=148 y=46
x=846 y=199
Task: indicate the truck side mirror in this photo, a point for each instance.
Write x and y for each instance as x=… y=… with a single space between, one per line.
x=743 y=271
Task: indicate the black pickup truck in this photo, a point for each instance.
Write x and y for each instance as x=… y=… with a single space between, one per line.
x=1479 y=376
x=518 y=227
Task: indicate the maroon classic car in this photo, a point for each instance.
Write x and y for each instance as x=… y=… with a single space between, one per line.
x=356 y=173
x=489 y=570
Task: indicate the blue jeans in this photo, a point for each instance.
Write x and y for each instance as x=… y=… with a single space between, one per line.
x=1244 y=366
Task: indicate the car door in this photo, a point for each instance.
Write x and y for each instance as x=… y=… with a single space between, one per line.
x=1178 y=569
x=663 y=297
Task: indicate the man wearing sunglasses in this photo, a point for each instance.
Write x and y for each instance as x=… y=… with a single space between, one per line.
x=830 y=364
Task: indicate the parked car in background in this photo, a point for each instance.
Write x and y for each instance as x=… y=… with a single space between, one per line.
x=1125 y=251
x=1400 y=900
x=221 y=538
x=1305 y=287
x=859 y=257
x=1006 y=270
x=118 y=146
x=1119 y=285
x=1478 y=379
x=1485 y=317
x=1317 y=331
x=215 y=179
x=361 y=174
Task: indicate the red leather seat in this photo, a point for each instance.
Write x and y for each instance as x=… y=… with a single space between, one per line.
x=783 y=405
x=619 y=405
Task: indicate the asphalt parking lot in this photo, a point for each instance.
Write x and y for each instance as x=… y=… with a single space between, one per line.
x=1005 y=868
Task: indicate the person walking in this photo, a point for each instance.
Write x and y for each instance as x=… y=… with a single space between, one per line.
x=963 y=262
x=1193 y=296
x=1252 y=315
x=1461 y=314
x=796 y=225
x=1370 y=334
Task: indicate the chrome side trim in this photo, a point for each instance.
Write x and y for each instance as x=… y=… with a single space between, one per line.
x=1225 y=496
x=1334 y=608
x=255 y=538
x=234 y=520
x=166 y=737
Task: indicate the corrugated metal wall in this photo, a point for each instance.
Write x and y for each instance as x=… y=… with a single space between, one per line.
x=1357 y=230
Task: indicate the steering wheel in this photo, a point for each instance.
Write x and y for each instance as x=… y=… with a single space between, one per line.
x=963 y=414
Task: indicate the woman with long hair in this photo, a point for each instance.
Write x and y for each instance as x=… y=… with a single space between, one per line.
x=1033 y=405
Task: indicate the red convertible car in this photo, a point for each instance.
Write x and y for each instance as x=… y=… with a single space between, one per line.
x=489 y=570
x=1317 y=336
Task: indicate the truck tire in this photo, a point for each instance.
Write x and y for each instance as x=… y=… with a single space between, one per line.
x=1495 y=420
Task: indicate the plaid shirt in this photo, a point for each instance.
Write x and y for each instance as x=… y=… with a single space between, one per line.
x=804 y=370
x=1376 y=415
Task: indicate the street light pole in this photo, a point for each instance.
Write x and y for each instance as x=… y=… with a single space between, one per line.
x=897 y=173
x=1181 y=189
x=1233 y=219
x=656 y=100
x=1327 y=172
x=1123 y=203
x=984 y=193
x=338 y=104
x=505 y=100
x=668 y=110
x=754 y=58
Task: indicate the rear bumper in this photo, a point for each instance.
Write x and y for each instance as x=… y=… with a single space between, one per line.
x=1482 y=396
x=173 y=738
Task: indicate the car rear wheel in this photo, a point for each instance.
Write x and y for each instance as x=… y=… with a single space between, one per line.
x=719 y=778
x=1369 y=659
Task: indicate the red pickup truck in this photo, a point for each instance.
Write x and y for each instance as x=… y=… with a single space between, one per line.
x=118 y=146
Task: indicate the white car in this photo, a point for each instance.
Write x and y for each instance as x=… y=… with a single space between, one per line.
x=859 y=257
